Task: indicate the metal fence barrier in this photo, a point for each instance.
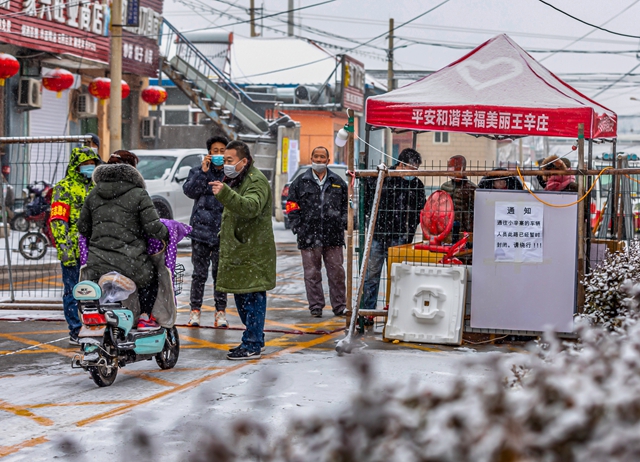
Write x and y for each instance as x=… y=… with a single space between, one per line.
x=30 y=274
x=612 y=217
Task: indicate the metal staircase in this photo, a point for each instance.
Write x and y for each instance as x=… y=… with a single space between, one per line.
x=209 y=88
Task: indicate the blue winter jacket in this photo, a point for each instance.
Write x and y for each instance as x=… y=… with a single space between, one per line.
x=206 y=215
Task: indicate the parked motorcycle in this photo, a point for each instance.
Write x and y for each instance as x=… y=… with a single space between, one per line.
x=35 y=217
x=108 y=339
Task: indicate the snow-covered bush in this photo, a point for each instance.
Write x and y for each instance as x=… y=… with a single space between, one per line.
x=603 y=294
x=559 y=403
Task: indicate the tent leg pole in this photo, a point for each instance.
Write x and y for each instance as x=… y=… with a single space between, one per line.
x=351 y=168
x=581 y=226
x=587 y=208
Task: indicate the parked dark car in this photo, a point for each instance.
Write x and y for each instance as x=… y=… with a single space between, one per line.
x=340 y=170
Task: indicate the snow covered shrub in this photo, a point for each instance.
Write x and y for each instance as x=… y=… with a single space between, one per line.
x=603 y=295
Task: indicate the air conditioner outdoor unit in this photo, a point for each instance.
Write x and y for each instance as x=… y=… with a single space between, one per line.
x=86 y=106
x=30 y=93
x=149 y=128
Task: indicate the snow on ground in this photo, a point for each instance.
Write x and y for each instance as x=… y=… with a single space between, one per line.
x=305 y=383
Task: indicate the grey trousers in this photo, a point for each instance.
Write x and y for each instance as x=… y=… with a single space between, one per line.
x=334 y=264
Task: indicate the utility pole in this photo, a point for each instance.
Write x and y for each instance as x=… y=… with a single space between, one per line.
x=388 y=133
x=290 y=19
x=252 y=12
x=115 y=97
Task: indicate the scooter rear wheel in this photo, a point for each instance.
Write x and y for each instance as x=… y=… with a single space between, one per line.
x=105 y=375
x=168 y=357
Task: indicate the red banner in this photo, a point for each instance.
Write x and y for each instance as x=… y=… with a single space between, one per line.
x=80 y=29
x=490 y=120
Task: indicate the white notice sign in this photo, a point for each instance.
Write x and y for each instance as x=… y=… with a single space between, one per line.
x=518 y=232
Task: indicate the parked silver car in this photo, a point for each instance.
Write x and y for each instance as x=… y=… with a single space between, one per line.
x=164 y=171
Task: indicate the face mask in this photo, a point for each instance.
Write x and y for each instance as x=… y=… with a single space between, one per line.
x=230 y=170
x=408 y=178
x=217 y=160
x=318 y=167
x=87 y=170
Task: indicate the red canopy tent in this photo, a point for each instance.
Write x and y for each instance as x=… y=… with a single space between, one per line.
x=496 y=89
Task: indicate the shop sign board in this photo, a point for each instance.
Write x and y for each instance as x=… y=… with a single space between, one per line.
x=352 y=84
x=81 y=28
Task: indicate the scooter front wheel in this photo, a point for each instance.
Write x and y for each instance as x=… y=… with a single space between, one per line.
x=168 y=357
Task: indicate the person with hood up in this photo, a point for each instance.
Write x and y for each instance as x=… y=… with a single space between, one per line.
x=247 y=267
x=66 y=202
x=500 y=182
x=117 y=219
x=558 y=182
x=206 y=217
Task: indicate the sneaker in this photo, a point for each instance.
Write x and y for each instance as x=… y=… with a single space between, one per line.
x=342 y=312
x=73 y=340
x=194 y=318
x=316 y=312
x=241 y=354
x=221 y=319
x=149 y=323
x=231 y=350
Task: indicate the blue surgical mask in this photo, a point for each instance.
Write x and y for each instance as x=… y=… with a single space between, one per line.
x=217 y=160
x=230 y=170
x=87 y=170
x=408 y=178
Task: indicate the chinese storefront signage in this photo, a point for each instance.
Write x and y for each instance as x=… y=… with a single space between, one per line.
x=518 y=232
x=81 y=27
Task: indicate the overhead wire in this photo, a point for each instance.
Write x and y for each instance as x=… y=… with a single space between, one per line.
x=590 y=32
x=588 y=23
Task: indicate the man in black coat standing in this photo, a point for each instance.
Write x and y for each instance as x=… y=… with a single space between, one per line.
x=317 y=209
x=206 y=217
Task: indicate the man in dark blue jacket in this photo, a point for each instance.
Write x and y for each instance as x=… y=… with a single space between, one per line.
x=206 y=217
x=317 y=209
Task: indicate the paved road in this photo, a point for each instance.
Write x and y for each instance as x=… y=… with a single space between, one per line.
x=43 y=400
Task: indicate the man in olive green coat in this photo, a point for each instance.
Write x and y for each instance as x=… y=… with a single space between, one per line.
x=247 y=266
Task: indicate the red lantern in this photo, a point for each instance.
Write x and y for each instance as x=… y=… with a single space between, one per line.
x=9 y=66
x=126 y=89
x=58 y=80
x=100 y=87
x=154 y=95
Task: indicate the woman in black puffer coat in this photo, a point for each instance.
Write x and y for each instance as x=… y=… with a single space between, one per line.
x=117 y=218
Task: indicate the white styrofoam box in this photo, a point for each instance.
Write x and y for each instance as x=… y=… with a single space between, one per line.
x=426 y=303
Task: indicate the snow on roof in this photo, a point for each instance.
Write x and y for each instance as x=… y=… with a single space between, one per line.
x=269 y=61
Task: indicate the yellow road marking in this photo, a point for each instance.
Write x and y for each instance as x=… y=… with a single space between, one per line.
x=6 y=450
x=24 y=412
x=196 y=382
x=83 y=403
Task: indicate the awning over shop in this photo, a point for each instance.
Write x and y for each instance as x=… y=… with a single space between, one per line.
x=496 y=89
